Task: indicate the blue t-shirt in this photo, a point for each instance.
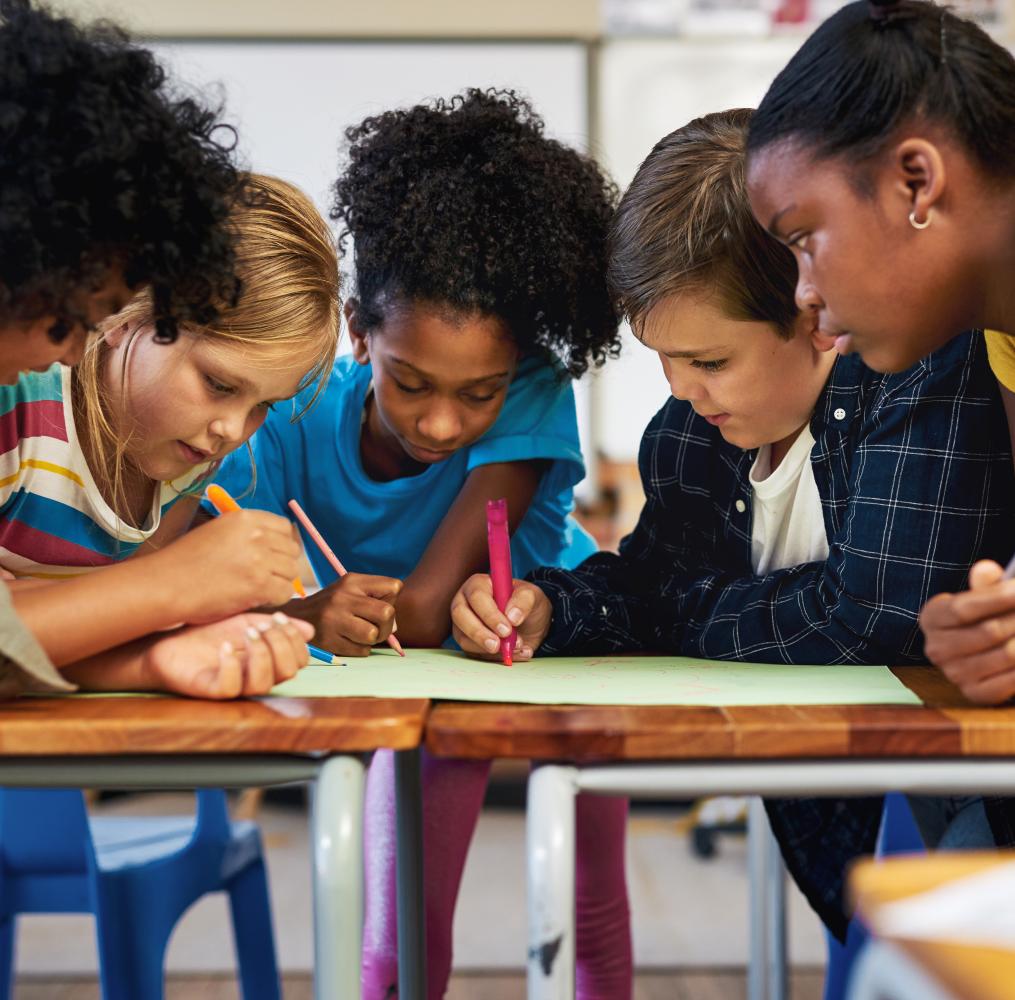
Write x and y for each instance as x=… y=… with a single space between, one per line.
x=384 y=528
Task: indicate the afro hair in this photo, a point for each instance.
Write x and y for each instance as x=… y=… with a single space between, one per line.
x=466 y=204
x=104 y=171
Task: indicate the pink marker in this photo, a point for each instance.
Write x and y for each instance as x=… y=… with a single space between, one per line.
x=500 y=565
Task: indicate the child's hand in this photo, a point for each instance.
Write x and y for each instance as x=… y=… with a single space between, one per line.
x=352 y=614
x=243 y=655
x=971 y=636
x=238 y=561
x=478 y=624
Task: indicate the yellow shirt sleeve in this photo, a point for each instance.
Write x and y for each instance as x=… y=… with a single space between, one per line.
x=1001 y=352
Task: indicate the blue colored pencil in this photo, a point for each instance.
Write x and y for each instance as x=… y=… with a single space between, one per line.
x=322 y=654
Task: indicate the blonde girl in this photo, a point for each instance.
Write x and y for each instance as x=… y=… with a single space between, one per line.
x=105 y=462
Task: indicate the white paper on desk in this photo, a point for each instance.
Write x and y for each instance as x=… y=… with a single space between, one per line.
x=978 y=909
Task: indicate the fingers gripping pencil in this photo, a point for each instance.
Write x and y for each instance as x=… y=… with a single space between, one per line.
x=336 y=563
x=225 y=504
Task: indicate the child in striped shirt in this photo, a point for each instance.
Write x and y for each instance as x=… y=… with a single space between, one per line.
x=102 y=462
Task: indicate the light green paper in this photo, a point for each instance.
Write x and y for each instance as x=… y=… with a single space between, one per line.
x=596 y=680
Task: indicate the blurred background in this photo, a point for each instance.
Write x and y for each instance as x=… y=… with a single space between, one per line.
x=610 y=77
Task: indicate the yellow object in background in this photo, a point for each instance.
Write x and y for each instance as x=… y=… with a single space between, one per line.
x=1001 y=352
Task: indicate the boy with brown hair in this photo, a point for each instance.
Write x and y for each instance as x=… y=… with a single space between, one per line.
x=800 y=508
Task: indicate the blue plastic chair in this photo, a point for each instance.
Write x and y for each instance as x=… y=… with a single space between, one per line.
x=898 y=835
x=137 y=875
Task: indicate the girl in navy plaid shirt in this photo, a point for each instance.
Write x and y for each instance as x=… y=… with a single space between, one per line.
x=799 y=506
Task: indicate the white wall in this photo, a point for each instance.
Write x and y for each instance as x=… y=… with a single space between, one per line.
x=648 y=88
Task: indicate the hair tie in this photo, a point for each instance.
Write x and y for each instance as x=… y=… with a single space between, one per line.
x=882 y=11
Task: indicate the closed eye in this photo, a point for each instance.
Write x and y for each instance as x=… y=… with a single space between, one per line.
x=216 y=386
x=412 y=390
x=710 y=366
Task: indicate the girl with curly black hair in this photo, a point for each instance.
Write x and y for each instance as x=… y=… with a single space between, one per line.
x=480 y=267
x=108 y=181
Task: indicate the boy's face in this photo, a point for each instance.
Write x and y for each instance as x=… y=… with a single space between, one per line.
x=27 y=346
x=741 y=376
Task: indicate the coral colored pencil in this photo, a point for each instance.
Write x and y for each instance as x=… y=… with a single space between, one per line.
x=225 y=504
x=336 y=563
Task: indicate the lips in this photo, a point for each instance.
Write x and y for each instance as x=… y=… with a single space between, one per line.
x=715 y=419
x=844 y=343
x=195 y=456
x=428 y=454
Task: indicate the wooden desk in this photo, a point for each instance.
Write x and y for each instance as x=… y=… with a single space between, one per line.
x=178 y=743
x=945 y=746
x=966 y=971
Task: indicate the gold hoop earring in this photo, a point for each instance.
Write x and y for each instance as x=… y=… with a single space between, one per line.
x=918 y=225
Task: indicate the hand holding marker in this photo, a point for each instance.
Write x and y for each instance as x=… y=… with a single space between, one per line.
x=225 y=504
x=501 y=577
x=336 y=565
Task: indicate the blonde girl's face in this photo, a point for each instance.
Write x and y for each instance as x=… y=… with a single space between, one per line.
x=740 y=375
x=192 y=402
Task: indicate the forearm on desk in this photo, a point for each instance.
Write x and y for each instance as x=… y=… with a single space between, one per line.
x=120 y=669
x=85 y=615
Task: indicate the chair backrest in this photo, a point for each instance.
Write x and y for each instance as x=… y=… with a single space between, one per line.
x=44 y=830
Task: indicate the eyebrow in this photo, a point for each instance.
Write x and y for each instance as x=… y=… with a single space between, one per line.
x=773 y=224
x=419 y=371
x=696 y=354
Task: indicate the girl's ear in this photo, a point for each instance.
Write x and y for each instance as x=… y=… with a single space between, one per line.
x=918 y=171
x=357 y=335
x=116 y=334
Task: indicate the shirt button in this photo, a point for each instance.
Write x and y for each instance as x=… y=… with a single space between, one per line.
x=741 y=506
x=839 y=414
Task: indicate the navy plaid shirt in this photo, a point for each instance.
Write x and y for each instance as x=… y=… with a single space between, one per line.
x=915 y=477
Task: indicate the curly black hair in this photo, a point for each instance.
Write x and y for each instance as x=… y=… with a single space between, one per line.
x=103 y=170
x=467 y=205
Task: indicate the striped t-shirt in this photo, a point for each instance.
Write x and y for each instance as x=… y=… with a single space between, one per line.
x=53 y=519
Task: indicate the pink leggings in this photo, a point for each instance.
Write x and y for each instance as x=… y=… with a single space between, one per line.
x=452 y=796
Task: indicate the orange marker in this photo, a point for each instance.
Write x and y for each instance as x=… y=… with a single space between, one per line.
x=336 y=563
x=225 y=504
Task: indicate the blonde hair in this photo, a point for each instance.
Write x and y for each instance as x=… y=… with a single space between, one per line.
x=289 y=296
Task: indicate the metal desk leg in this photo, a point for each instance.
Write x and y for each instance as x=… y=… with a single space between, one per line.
x=766 y=970
x=550 y=849
x=775 y=899
x=337 y=849
x=409 y=874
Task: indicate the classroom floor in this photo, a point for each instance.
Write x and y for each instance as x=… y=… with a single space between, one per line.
x=689 y=916
x=706 y=984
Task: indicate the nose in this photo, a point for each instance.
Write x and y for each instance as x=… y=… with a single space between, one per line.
x=440 y=424
x=230 y=425
x=684 y=383
x=808 y=298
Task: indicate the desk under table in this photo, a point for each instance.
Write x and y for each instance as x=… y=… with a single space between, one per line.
x=137 y=742
x=944 y=746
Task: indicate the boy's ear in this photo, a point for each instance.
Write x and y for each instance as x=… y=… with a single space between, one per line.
x=357 y=335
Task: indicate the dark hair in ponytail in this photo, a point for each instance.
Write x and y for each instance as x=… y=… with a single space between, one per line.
x=873 y=66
